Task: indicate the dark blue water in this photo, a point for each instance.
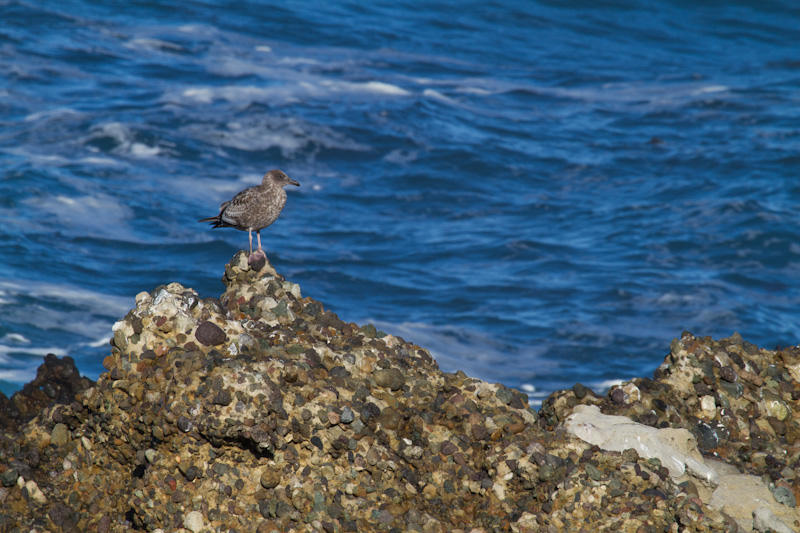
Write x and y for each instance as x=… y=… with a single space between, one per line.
x=539 y=192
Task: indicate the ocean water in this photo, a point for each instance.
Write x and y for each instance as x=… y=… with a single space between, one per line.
x=541 y=193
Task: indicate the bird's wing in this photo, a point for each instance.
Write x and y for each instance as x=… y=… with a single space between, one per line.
x=232 y=210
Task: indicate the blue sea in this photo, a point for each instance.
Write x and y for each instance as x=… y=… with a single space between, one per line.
x=539 y=192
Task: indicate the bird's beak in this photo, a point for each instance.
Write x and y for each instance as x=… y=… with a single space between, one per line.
x=294 y=182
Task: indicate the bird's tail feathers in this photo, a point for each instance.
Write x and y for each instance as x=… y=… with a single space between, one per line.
x=215 y=221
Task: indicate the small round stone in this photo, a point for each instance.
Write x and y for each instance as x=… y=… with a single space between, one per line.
x=369 y=331
x=191 y=473
x=104 y=525
x=547 y=472
x=9 y=477
x=618 y=396
x=390 y=378
x=60 y=435
x=785 y=496
x=193 y=521
x=60 y=514
x=580 y=391
x=504 y=395
x=210 y=334
x=448 y=448
x=728 y=374
x=184 y=424
x=270 y=478
x=593 y=472
x=630 y=455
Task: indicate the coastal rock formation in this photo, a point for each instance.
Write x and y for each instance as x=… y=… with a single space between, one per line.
x=262 y=411
x=740 y=405
x=57 y=382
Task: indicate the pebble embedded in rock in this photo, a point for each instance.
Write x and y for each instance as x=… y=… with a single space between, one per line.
x=630 y=455
x=60 y=435
x=448 y=448
x=504 y=395
x=618 y=396
x=210 y=334
x=282 y=309
x=184 y=424
x=728 y=374
x=347 y=415
x=104 y=525
x=223 y=397
x=369 y=331
x=593 y=472
x=547 y=472
x=193 y=521
x=580 y=391
x=191 y=473
x=785 y=496
x=60 y=515
x=390 y=378
x=9 y=477
x=270 y=478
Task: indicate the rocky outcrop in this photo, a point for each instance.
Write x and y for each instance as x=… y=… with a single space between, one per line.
x=739 y=406
x=262 y=411
x=57 y=382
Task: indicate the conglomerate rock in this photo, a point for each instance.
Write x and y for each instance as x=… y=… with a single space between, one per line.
x=262 y=411
x=741 y=403
x=57 y=381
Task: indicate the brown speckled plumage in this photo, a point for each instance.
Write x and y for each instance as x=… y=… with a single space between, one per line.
x=255 y=208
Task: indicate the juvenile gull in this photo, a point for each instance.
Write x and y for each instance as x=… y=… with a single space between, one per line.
x=255 y=208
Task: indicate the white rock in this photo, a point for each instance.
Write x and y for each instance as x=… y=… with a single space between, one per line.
x=765 y=520
x=499 y=491
x=747 y=500
x=184 y=323
x=150 y=455
x=794 y=370
x=632 y=392
x=292 y=288
x=675 y=448
x=34 y=492
x=193 y=521
x=708 y=406
x=741 y=496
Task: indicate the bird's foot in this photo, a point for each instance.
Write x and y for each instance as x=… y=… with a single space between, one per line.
x=256 y=258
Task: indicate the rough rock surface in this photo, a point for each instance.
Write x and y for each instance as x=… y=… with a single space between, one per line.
x=298 y=421
x=57 y=381
x=740 y=403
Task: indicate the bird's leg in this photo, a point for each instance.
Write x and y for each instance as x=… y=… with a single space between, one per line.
x=259 y=253
x=250 y=235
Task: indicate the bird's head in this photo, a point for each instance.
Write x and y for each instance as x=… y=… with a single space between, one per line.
x=279 y=178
